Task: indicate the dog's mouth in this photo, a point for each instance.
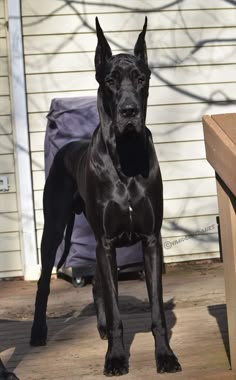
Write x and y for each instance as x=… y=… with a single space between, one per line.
x=129 y=128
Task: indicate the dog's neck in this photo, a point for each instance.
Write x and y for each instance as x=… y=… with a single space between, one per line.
x=129 y=152
x=133 y=155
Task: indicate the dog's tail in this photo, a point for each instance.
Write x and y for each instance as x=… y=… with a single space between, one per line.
x=69 y=229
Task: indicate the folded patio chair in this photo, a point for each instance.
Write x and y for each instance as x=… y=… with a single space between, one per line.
x=70 y=119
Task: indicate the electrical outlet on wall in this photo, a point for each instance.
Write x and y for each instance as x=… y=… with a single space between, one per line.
x=4 y=185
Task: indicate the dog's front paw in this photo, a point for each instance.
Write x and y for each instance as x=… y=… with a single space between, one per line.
x=116 y=366
x=167 y=363
x=38 y=335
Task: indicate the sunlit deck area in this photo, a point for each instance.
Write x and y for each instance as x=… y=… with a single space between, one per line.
x=196 y=316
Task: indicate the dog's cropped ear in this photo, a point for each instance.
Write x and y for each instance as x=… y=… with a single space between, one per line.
x=103 y=50
x=140 y=50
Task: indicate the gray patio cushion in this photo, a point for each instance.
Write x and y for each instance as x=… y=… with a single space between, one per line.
x=71 y=119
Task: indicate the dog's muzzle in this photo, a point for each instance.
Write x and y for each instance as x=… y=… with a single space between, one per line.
x=129 y=119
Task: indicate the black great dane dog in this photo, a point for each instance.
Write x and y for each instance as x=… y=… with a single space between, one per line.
x=116 y=181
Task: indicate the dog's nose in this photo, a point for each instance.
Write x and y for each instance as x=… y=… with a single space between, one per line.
x=129 y=110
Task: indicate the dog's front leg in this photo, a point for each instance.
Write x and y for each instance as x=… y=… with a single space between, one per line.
x=115 y=362
x=165 y=359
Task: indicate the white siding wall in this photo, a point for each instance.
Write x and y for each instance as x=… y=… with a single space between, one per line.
x=10 y=257
x=192 y=52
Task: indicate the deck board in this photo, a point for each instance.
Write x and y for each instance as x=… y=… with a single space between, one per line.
x=196 y=318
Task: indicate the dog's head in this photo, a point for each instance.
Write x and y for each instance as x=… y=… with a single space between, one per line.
x=123 y=84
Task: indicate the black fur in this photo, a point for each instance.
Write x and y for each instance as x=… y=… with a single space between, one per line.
x=116 y=181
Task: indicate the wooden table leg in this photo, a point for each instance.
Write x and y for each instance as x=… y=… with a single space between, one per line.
x=227 y=207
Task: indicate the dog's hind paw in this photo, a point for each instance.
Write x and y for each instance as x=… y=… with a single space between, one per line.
x=116 y=367
x=168 y=363
x=38 y=336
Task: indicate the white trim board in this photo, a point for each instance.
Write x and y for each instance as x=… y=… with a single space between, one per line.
x=21 y=141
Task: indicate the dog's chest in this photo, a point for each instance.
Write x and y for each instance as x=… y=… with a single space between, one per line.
x=128 y=213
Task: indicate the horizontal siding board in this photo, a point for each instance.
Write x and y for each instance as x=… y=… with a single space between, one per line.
x=166 y=152
x=84 y=61
x=7 y=164
x=1 y=10
x=38 y=199
x=184 y=112
x=41 y=102
x=160 y=92
x=160 y=132
x=3 y=66
x=3 y=47
x=8 y=202
x=175 y=76
x=2 y=28
x=37 y=160
x=176 y=132
x=6 y=144
x=9 y=222
x=179 y=151
x=61 y=82
x=157 y=39
x=173 y=19
x=177 y=208
x=5 y=125
x=189 y=188
x=38 y=121
x=199 y=92
x=178 y=170
x=167 y=113
x=37 y=141
x=5 y=105
x=174 y=170
x=172 y=228
x=95 y=6
x=191 y=75
x=9 y=242
x=158 y=95
x=4 y=86
x=172 y=189
x=191 y=244
x=182 y=245
x=189 y=226
x=191 y=257
x=38 y=180
x=180 y=227
x=192 y=248
x=39 y=219
x=10 y=263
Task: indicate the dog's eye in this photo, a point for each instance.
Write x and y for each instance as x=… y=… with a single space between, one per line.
x=110 y=82
x=140 y=80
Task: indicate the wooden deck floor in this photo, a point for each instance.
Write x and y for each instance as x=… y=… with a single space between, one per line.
x=196 y=316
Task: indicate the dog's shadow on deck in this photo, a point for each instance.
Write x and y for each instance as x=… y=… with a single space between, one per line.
x=136 y=317
x=135 y=313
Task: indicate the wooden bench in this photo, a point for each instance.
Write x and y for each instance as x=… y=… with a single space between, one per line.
x=220 y=142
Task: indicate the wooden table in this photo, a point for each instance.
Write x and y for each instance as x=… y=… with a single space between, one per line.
x=220 y=142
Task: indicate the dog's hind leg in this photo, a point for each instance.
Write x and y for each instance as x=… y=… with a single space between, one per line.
x=99 y=304
x=165 y=358
x=58 y=201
